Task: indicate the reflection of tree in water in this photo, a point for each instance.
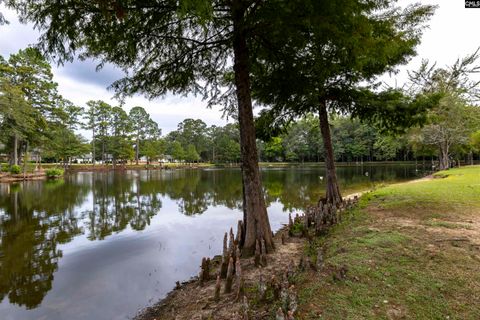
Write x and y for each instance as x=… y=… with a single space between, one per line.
x=196 y=190
x=295 y=189
x=120 y=201
x=299 y=188
x=34 y=219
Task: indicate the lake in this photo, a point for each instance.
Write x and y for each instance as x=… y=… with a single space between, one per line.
x=104 y=245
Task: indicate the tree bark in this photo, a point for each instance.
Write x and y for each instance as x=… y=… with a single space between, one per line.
x=93 y=149
x=25 y=160
x=103 y=150
x=444 y=161
x=256 y=223
x=136 y=151
x=333 y=195
x=15 y=150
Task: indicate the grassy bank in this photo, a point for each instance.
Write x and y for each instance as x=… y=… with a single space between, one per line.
x=411 y=251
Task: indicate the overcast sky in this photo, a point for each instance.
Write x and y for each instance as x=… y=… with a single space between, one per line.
x=79 y=82
x=453 y=33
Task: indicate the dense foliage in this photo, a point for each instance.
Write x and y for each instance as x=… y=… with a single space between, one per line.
x=329 y=59
x=454 y=119
x=354 y=141
x=33 y=115
x=50 y=128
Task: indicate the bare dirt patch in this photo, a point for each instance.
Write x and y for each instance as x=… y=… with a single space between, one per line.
x=463 y=228
x=191 y=301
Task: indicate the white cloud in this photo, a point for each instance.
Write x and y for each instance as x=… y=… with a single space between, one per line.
x=80 y=82
x=167 y=112
x=452 y=34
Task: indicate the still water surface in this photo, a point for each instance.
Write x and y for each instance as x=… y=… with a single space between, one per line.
x=103 y=245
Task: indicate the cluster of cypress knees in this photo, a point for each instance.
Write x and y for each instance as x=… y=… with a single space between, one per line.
x=319 y=218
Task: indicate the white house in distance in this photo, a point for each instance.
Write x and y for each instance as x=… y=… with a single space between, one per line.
x=86 y=158
x=166 y=159
x=34 y=155
x=3 y=155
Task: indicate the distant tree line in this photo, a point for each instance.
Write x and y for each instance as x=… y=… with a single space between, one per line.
x=34 y=116
x=354 y=141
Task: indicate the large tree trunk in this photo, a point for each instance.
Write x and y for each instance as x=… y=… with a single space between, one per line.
x=14 y=160
x=444 y=161
x=103 y=150
x=136 y=151
x=256 y=223
x=25 y=159
x=93 y=149
x=333 y=195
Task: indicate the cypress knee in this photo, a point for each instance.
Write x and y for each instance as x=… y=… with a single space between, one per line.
x=224 y=267
x=217 y=289
x=275 y=287
x=263 y=256
x=279 y=315
x=225 y=248
x=290 y=225
x=319 y=260
x=262 y=289
x=229 y=280
x=240 y=280
x=257 y=253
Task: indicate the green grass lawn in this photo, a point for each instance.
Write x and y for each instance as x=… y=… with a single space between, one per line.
x=411 y=251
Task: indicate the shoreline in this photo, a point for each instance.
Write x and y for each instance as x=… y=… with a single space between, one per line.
x=192 y=299
x=185 y=296
x=6 y=178
x=40 y=175
x=132 y=167
x=420 y=237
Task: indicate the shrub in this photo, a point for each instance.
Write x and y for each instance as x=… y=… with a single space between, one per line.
x=5 y=167
x=15 y=169
x=298 y=228
x=54 y=172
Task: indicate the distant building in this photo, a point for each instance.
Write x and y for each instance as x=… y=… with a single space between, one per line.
x=35 y=155
x=86 y=158
x=167 y=158
x=3 y=155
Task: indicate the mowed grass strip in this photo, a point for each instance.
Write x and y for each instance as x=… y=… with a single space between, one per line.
x=411 y=251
